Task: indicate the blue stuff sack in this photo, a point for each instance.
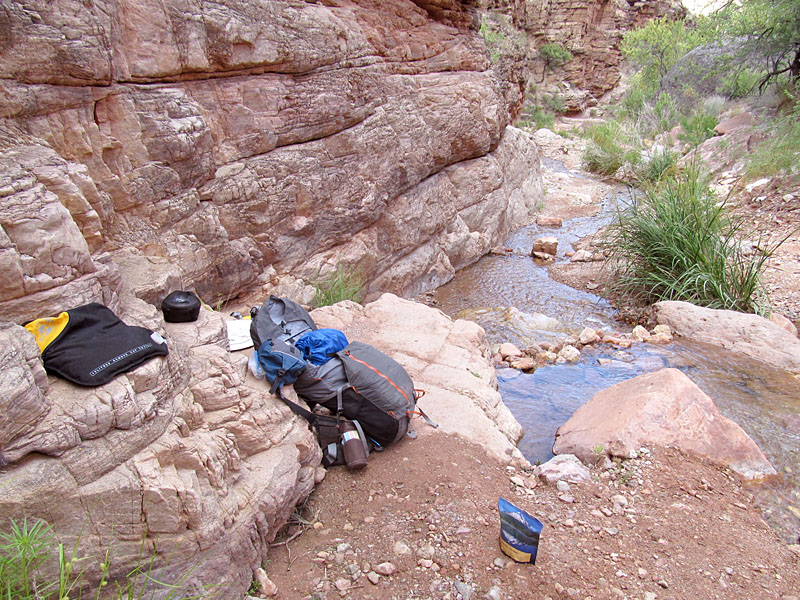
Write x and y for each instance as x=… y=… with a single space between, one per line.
x=320 y=345
x=519 y=532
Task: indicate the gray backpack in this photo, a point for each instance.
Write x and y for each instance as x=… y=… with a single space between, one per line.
x=364 y=384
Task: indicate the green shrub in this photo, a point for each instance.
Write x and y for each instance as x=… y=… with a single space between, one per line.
x=536 y=117
x=554 y=55
x=697 y=128
x=341 y=284
x=609 y=147
x=741 y=82
x=675 y=242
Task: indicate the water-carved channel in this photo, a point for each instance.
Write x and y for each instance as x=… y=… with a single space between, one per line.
x=515 y=300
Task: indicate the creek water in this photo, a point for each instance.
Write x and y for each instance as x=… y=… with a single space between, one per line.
x=514 y=299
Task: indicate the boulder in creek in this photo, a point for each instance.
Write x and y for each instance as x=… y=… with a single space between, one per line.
x=747 y=334
x=666 y=409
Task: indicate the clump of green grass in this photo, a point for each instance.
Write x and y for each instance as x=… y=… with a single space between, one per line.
x=781 y=151
x=697 y=128
x=343 y=283
x=653 y=169
x=31 y=546
x=676 y=242
x=609 y=148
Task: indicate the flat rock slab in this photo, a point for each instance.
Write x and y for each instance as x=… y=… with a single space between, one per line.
x=747 y=334
x=665 y=409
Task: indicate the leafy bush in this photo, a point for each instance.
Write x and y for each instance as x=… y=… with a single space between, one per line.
x=741 y=82
x=657 y=46
x=609 y=147
x=341 y=284
x=697 y=128
x=675 y=242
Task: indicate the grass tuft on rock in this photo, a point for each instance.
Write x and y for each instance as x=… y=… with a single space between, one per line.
x=675 y=241
x=343 y=283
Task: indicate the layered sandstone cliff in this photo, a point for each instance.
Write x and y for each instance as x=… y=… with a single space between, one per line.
x=218 y=139
x=223 y=146
x=592 y=32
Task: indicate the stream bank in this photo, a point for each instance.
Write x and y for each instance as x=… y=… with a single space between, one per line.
x=526 y=302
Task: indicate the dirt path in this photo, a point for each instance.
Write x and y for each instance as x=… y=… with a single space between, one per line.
x=662 y=526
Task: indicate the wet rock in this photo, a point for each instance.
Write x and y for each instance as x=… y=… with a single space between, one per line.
x=588 y=336
x=546 y=246
x=544 y=221
x=616 y=340
x=526 y=363
x=664 y=408
x=747 y=334
x=509 y=350
x=568 y=354
x=640 y=334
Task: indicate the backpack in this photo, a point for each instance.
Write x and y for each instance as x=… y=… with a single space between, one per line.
x=364 y=384
x=279 y=319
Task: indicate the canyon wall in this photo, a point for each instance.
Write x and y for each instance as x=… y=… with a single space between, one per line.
x=225 y=146
x=211 y=142
x=592 y=32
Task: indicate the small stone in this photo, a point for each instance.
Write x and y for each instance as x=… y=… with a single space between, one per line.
x=494 y=593
x=348 y=527
x=425 y=563
x=462 y=530
x=650 y=596
x=373 y=577
x=562 y=486
x=611 y=530
x=369 y=519
x=385 y=568
x=640 y=334
x=619 y=500
x=588 y=336
x=401 y=548
x=265 y=585
x=517 y=480
x=566 y=498
x=500 y=562
x=509 y=350
x=569 y=523
x=663 y=584
x=464 y=589
x=569 y=353
x=342 y=584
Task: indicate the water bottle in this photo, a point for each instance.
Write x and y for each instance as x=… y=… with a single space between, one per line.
x=355 y=455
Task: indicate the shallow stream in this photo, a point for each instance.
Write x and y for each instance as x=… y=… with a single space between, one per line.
x=515 y=300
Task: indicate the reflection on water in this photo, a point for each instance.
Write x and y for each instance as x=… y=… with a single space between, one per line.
x=515 y=300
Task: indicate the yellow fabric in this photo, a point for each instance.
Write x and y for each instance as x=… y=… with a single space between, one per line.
x=46 y=330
